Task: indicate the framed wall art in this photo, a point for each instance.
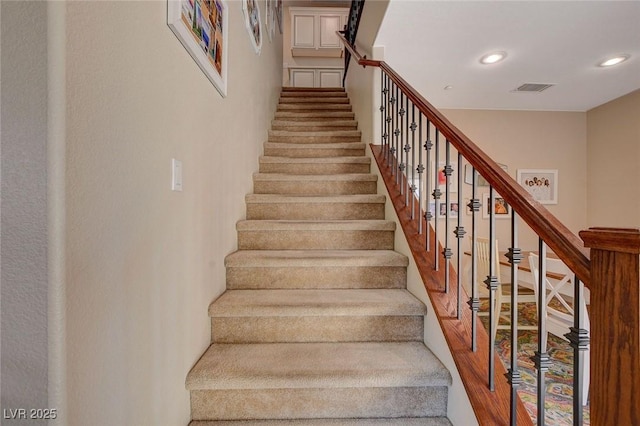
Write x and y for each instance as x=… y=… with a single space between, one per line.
x=201 y=27
x=501 y=210
x=253 y=23
x=542 y=184
x=442 y=179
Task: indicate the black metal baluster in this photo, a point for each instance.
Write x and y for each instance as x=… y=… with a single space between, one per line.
x=420 y=170
x=436 y=198
x=389 y=119
x=427 y=189
x=492 y=286
x=383 y=95
x=541 y=358
x=447 y=253
x=579 y=338
x=413 y=186
x=474 y=300
x=513 y=375
x=459 y=233
x=395 y=130
x=401 y=166
x=407 y=149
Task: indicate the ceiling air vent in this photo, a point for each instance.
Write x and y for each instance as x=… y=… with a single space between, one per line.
x=533 y=87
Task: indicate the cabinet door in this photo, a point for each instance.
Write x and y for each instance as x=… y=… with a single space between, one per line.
x=330 y=78
x=329 y=24
x=302 y=78
x=303 y=31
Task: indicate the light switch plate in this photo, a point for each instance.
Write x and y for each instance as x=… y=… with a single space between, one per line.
x=176 y=175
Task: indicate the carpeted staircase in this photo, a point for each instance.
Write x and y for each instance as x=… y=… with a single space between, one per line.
x=316 y=327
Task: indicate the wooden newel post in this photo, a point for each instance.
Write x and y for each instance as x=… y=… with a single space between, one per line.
x=615 y=325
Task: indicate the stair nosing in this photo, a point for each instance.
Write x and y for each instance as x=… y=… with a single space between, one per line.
x=315 y=258
x=317 y=365
x=316 y=303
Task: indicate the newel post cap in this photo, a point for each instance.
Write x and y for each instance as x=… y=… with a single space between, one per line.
x=624 y=240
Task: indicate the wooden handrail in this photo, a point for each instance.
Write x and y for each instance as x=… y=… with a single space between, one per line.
x=556 y=235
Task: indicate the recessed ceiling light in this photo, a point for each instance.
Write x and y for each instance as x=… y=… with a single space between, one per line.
x=615 y=60
x=492 y=58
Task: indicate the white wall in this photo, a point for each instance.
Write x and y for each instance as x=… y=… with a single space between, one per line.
x=613 y=137
x=142 y=262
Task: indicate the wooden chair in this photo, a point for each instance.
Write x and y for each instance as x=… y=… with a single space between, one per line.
x=561 y=308
x=503 y=292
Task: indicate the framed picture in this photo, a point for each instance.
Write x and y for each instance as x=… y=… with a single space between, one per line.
x=501 y=210
x=442 y=179
x=542 y=184
x=480 y=181
x=201 y=27
x=278 y=14
x=253 y=23
x=269 y=18
x=442 y=209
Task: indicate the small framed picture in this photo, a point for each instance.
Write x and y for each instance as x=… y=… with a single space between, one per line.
x=480 y=181
x=542 y=184
x=442 y=209
x=442 y=179
x=501 y=210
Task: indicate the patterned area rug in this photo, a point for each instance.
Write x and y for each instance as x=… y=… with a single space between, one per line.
x=559 y=378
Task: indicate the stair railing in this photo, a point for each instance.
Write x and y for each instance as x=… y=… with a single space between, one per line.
x=351 y=30
x=412 y=130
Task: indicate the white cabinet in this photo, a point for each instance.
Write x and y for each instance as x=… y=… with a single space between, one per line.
x=315 y=77
x=313 y=30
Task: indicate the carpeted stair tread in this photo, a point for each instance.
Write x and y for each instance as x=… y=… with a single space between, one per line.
x=311 y=94
x=321 y=302
x=317 y=365
x=312 y=89
x=314 y=125
x=343 y=133
x=297 y=199
x=314 y=107
x=314 y=115
x=315 y=258
x=316 y=225
x=405 y=421
x=310 y=150
x=314 y=100
x=350 y=177
x=315 y=160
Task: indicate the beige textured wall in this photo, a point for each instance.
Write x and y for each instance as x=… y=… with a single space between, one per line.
x=143 y=262
x=532 y=140
x=613 y=146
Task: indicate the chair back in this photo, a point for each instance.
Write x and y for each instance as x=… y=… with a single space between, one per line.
x=482 y=255
x=560 y=306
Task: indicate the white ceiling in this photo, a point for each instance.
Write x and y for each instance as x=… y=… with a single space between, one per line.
x=434 y=44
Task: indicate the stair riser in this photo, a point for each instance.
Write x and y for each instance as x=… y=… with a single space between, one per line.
x=389 y=402
x=314 y=107
x=314 y=139
x=309 y=127
x=314 y=187
x=314 y=100
x=313 y=152
x=317 y=116
x=310 y=277
x=315 y=240
x=289 y=89
x=313 y=95
x=315 y=211
x=317 y=329
x=314 y=169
